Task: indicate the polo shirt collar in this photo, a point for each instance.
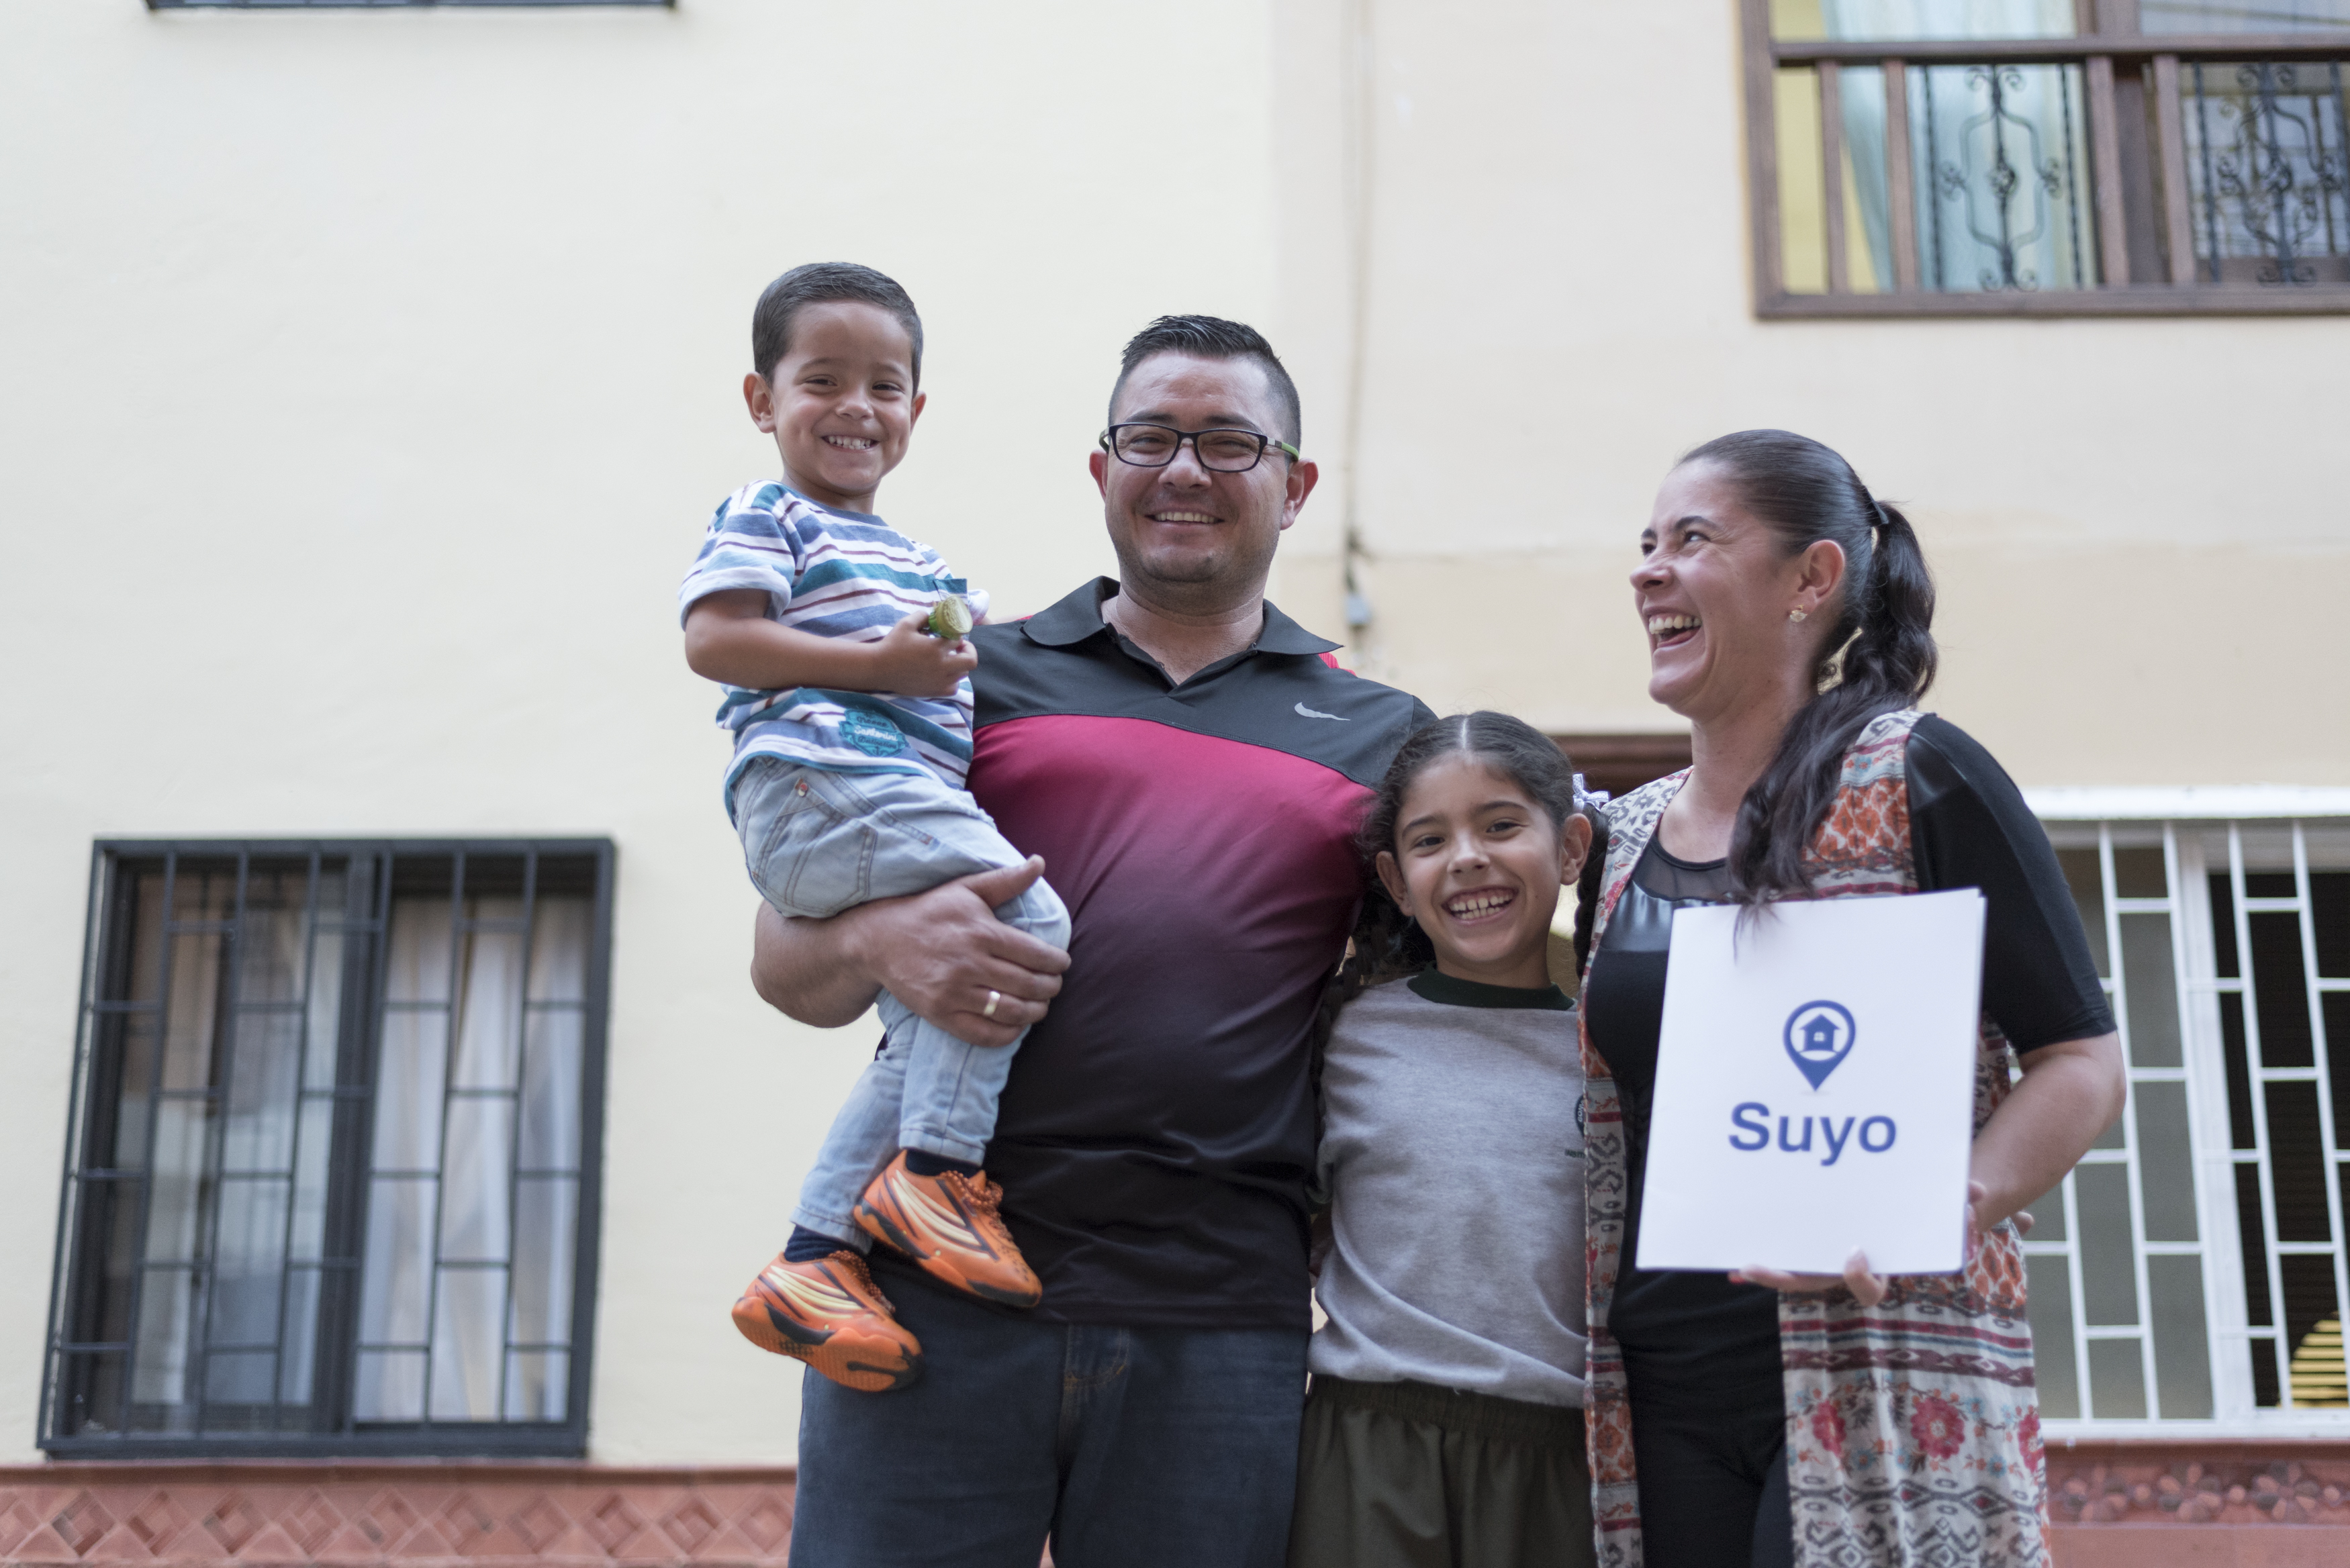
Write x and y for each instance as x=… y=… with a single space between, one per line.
x=1078 y=617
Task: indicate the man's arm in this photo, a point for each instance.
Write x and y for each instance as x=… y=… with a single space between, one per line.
x=729 y=637
x=939 y=952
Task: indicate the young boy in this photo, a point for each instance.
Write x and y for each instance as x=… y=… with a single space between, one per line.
x=840 y=643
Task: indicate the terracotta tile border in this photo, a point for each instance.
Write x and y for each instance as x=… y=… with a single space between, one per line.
x=450 y=1513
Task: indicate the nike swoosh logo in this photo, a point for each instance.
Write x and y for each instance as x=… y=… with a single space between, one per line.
x=1306 y=712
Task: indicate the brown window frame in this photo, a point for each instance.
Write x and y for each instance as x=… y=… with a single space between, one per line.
x=2128 y=180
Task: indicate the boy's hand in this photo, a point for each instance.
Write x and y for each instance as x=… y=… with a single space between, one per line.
x=911 y=662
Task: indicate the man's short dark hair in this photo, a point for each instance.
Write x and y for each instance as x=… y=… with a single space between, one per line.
x=1213 y=337
x=815 y=284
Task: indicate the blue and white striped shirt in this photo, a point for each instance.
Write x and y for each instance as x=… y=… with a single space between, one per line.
x=835 y=574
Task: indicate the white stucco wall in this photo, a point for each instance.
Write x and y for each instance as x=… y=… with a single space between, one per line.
x=370 y=378
x=2140 y=527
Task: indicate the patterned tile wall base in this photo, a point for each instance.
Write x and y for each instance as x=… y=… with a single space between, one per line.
x=2200 y=1505
x=426 y=1512
x=2116 y=1505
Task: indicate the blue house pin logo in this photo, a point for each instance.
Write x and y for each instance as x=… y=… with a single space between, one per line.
x=1819 y=1037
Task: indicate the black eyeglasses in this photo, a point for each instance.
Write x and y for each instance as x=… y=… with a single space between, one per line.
x=1219 y=451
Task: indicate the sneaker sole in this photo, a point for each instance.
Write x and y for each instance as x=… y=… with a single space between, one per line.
x=878 y=1224
x=868 y=1364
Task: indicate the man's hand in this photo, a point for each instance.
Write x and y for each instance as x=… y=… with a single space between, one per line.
x=911 y=662
x=943 y=953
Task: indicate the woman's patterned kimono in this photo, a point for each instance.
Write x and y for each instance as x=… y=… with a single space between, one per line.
x=1913 y=1432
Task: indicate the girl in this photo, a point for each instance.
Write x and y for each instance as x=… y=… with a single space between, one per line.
x=1444 y=1427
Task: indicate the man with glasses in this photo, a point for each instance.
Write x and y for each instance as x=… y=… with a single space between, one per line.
x=1191 y=764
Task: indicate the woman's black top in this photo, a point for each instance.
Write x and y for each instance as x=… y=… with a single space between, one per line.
x=1697 y=1338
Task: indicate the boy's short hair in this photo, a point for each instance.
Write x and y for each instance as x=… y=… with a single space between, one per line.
x=1213 y=337
x=814 y=284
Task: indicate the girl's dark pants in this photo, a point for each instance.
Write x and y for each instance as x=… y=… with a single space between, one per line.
x=1405 y=1475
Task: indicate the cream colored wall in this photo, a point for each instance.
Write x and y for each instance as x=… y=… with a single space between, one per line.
x=370 y=376
x=2140 y=528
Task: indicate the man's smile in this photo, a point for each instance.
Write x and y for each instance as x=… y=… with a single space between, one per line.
x=1181 y=517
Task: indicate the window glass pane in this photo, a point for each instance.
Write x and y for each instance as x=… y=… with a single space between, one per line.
x=474 y=1184
x=2049 y=1288
x=2297 y=1164
x=398 y=1261
x=2138 y=873
x=2165 y=1165
x=2254 y=1231
x=248 y=1264
x=467 y=1348
x=537 y=1386
x=2265 y=145
x=322 y=1034
x=2313 y=1327
x=2242 y=16
x=299 y=1357
x=2152 y=991
x=2108 y=1275
x=2334 y=1007
x=552 y=1068
x=546 y=1252
x=264 y=1068
x=2241 y=1132
x=2280 y=991
x=558 y=948
x=489 y=1029
x=2081 y=874
x=410 y=1060
x=388 y=1385
x=2116 y=1380
x=2001 y=160
x=2182 y=1351
x=236 y=1390
x=2223 y=917
x=1802 y=193
x=2266 y=1384
x=1921 y=18
x=91 y=1403
x=2329 y=907
x=2047 y=1213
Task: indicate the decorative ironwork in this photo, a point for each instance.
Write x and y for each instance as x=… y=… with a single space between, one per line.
x=2275 y=188
x=2004 y=179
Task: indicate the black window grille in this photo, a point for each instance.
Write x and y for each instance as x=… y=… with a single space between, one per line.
x=331 y=1168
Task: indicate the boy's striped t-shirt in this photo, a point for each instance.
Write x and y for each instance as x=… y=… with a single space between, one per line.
x=835 y=574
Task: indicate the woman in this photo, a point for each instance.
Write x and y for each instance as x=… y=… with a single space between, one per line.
x=1772 y=1418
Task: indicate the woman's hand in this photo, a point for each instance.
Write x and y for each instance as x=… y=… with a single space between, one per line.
x=1867 y=1287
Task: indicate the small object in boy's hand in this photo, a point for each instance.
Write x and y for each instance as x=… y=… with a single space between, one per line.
x=949 y=618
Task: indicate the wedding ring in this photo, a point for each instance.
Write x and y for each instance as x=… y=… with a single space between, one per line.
x=993 y=998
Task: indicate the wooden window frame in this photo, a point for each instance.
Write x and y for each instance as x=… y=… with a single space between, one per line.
x=2160 y=238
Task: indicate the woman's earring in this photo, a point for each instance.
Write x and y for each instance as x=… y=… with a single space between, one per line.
x=1796 y=615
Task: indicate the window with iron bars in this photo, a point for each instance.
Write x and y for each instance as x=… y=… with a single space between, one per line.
x=2193 y=1266
x=2035 y=157
x=331 y=1171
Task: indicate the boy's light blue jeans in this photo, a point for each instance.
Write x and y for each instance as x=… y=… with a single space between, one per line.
x=818 y=842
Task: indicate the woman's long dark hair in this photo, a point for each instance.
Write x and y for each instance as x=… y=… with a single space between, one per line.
x=1388 y=944
x=1878 y=656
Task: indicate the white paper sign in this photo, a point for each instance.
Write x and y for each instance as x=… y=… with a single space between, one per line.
x=1814 y=1086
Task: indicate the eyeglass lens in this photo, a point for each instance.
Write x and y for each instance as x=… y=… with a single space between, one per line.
x=1154 y=446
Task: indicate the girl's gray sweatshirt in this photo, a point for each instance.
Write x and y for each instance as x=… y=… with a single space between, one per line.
x=1453 y=1163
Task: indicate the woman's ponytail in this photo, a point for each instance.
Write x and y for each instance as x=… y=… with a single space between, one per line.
x=1879 y=655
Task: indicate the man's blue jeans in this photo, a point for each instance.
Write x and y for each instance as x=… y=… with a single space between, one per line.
x=1130 y=1447
x=818 y=842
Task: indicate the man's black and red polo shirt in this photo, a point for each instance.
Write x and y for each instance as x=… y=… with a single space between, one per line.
x=1157 y=1133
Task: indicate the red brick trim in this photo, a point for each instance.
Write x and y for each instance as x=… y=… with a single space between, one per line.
x=410 y=1514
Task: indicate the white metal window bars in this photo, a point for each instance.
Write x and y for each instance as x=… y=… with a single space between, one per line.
x=2193 y=1268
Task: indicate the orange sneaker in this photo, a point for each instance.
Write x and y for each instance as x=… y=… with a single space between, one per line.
x=829 y=1315
x=949 y=1225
